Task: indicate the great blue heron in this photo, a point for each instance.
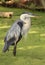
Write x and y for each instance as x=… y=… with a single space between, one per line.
x=17 y=30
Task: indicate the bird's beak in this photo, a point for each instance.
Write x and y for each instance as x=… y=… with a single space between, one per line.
x=33 y=15
x=36 y=16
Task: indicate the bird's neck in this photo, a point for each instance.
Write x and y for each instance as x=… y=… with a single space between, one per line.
x=26 y=27
x=28 y=21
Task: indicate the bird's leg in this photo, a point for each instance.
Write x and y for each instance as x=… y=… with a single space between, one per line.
x=15 y=45
x=14 y=51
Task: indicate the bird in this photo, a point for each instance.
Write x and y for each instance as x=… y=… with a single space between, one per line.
x=19 y=28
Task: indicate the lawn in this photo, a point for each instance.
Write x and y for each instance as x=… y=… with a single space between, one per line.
x=31 y=49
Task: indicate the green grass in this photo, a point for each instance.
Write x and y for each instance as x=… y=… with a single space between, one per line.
x=30 y=50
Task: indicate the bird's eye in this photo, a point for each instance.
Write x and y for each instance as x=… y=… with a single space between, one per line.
x=25 y=18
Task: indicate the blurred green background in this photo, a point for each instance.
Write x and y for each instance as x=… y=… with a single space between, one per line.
x=30 y=50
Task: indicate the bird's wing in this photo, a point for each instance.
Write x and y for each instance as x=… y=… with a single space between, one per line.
x=15 y=30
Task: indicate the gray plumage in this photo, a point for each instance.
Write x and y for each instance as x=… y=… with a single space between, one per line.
x=17 y=30
x=13 y=35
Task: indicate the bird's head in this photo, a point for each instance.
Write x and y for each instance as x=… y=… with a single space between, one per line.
x=26 y=16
